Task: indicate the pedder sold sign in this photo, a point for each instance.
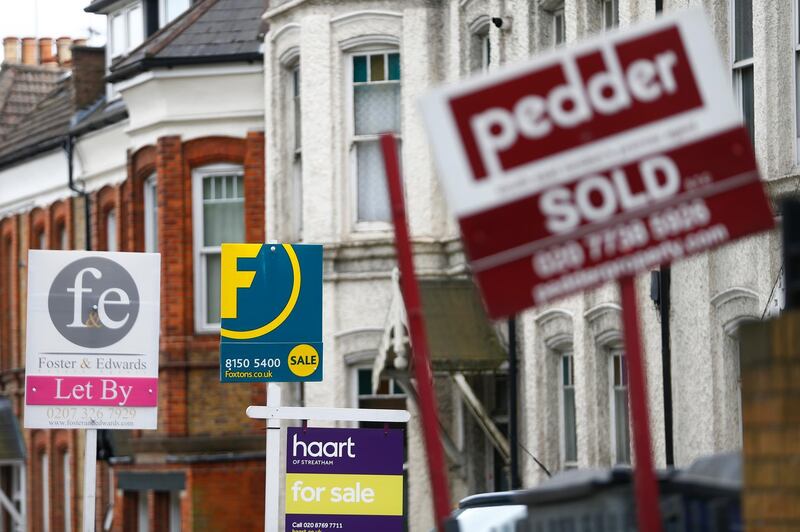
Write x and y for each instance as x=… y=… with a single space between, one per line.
x=595 y=162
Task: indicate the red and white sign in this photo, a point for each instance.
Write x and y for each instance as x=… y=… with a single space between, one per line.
x=595 y=162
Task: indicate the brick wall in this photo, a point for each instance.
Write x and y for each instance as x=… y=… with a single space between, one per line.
x=770 y=362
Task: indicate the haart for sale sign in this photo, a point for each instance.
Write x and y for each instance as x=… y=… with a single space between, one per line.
x=596 y=162
x=92 y=340
x=345 y=479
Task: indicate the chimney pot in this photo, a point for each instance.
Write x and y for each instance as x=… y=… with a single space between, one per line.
x=45 y=50
x=11 y=50
x=79 y=42
x=29 y=51
x=63 y=45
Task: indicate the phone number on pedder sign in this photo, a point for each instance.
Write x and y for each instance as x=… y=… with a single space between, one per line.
x=246 y=363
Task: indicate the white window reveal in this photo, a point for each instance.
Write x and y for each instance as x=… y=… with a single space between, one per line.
x=742 y=59
x=126 y=29
x=569 y=438
x=169 y=10
x=150 y=215
x=218 y=216
x=620 y=420
x=376 y=109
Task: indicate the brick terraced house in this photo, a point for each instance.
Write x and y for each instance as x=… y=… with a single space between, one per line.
x=162 y=134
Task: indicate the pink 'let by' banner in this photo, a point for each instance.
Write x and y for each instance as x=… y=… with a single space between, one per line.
x=91 y=391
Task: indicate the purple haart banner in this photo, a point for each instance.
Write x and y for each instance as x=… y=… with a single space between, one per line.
x=344 y=479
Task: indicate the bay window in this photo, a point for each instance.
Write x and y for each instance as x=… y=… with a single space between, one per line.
x=376 y=109
x=742 y=59
x=218 y=216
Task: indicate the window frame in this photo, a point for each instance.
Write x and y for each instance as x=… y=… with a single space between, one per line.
x=162 y=13
x=110 y=233
x=738 y=67
x=358 y=226
x=562 y=425
x=150 y=210
x=612 y=387
x=201 y=326
x=555 y=15
x=124 y=12
x=614 y=11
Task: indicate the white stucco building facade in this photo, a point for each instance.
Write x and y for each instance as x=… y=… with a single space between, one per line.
x=324 y=102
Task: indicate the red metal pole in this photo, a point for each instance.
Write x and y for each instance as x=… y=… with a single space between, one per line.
x=647 y=505
x=419 y=338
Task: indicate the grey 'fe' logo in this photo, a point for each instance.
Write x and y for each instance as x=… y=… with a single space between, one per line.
x=93 y=302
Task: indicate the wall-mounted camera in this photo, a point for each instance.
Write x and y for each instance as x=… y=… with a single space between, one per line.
x=502 y=23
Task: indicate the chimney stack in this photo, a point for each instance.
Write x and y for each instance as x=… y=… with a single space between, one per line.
x=28 y=51
x=11 y=50
x=63 y=49
x=45 y=50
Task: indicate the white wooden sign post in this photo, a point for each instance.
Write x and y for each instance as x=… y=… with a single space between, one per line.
x=92 y=347
x=274 y=413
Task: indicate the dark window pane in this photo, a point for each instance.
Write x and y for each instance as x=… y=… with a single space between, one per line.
x=743 y=29
x=376 y=68
x=365 y=382
x=359 y=68
x=394 y=66
x=748 y=111
x=570 y=434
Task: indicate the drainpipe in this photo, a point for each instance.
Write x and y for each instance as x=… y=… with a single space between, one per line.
x=70 y=148
x=666 y=359
x=513 y=401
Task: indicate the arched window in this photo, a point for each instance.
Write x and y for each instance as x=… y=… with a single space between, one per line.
x=568 y=432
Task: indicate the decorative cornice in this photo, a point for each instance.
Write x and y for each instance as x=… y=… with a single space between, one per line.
x=366 y=14
x=736 y=292
x=289 y=56
x=596 y=312
x=552 y=314
x=479 y=23
x=367 y=40
x=284 y=29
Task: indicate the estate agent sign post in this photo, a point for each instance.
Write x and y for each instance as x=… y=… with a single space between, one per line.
x=271 y=331
x=593 y=163
x=92 y=347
